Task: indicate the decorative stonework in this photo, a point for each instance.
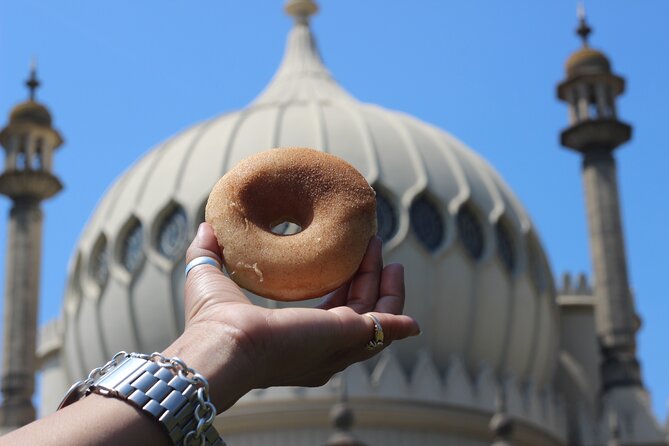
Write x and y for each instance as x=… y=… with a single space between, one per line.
x=387 y=396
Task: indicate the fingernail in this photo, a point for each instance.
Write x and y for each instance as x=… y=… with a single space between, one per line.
x=201 y=231
x=396 y=265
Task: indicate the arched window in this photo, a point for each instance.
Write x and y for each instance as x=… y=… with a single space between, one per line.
x=21 y=153
x=173 y=234
x=470 y=232
x=99 y=263
x=385 y=217
x=38 y=159
x=426 y=222
x=131 y=248
x=505 y=246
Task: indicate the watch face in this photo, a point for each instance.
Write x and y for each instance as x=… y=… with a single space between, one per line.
x=470 y=232
x=427 y=223
x=132 y=254
x=385 y=218
x=173 y=234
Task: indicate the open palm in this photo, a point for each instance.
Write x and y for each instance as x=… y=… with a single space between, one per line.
x=298 y=346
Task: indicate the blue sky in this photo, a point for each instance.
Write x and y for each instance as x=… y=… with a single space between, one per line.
x=122 y=76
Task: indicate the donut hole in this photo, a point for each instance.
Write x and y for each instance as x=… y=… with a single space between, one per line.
x=282 y=218
x=278 y=205
x=286 y=227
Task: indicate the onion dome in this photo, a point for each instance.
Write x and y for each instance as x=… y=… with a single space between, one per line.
x=31 y=111
x=587 y=61
x=477 y=277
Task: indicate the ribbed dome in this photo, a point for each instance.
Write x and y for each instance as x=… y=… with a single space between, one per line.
x=477 y=277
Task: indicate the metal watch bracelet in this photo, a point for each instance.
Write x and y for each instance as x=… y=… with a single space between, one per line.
x=165 y=388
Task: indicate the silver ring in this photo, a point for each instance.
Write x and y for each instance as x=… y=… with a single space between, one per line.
x=377 y=339
x=202 y=260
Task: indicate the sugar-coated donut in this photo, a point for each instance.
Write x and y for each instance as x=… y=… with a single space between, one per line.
x=323 y=194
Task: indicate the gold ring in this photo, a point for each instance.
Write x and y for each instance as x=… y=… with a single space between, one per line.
x=377 y=340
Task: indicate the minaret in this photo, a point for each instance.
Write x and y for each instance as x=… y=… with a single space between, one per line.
x=594 y=131
x=29 y=141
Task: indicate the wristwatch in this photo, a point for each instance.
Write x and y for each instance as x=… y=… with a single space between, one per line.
x=160 y=387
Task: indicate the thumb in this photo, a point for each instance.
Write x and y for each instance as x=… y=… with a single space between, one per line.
x=204 y=244
x=206 y=282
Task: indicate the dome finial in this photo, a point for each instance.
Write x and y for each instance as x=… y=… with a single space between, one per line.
x=32 y=83
x=583 y=29
x=301 y=10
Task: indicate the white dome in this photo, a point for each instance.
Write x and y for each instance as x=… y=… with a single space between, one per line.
x=477 y=278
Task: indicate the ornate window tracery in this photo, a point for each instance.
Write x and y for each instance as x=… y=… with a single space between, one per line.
x=131 y=250
x=100 y=262
x=427 y=223
x=173 y=234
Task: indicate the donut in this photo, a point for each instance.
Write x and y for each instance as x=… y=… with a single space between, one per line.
x=322 y=194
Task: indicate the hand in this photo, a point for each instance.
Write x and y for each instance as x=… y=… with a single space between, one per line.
x=258 y=347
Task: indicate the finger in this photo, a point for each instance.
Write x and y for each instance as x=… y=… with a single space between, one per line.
x=393 y=326
x=364 y=290
x=206 y=280
x=204 y=244
x=391 y=290
x=337 y=298
x=359 y=330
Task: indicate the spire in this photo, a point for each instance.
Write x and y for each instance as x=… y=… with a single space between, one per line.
x=583 y=29
x=301 y=10
x=302 y=74
x=301 y=57
x=32 y=82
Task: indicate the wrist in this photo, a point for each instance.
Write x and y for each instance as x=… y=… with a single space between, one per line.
x=214 y=351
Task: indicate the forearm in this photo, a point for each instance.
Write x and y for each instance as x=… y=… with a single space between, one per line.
x=105 y=420
x=94 y=420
